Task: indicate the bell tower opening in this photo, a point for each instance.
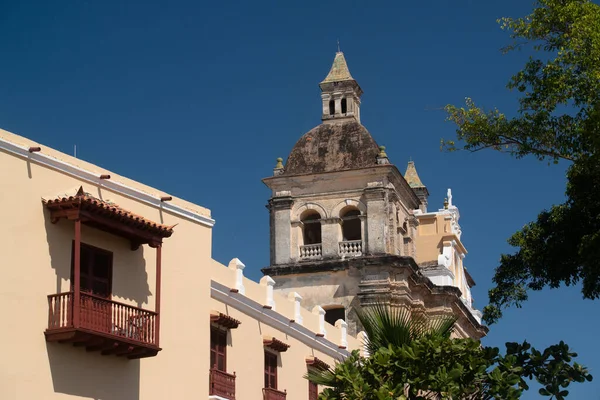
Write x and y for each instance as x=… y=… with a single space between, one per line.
x=339 y=84
x=311 y=231
x=351 y=224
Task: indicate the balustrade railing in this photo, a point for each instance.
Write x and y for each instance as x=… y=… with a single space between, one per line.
x=222 y=384
x=102 y=315
x=60 y=311
x=351 y=248
x=273 y=394
x=311 y=251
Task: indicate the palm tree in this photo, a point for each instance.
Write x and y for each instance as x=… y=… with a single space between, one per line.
x=386 y=327
x=397 y=326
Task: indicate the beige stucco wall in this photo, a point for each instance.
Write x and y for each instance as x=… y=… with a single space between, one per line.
x=434 y=231
x=35 y=257
x=245 y=351
x=36 y=262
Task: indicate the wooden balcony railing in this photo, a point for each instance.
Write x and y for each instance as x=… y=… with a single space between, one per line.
x=97 y=314
x=222 y=384
x=273 y=394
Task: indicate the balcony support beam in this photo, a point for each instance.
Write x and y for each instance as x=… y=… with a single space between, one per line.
x=77 y=274
x=157 y=293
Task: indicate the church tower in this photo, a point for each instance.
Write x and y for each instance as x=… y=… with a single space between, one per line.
x=344 y=222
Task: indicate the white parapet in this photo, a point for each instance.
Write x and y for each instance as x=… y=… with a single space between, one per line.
x=238 y=266
x=296 y=298
x=318 y=310
x=268 y=282
x=343 y=327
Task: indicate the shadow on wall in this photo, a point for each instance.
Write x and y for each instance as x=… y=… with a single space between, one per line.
x=78 y=373
x=130 y=278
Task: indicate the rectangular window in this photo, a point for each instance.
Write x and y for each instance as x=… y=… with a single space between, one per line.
x=218 y=347
x=95 y=274
x=270 y=370
x=313 y=391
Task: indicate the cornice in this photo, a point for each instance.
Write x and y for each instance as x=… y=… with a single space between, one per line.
x=94 y=179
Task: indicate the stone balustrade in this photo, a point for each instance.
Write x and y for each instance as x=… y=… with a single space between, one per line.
x=311 y=251
x=351 y=248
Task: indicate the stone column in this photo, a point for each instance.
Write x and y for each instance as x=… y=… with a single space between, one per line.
x=325 y=98
x=280 y=208
x=376 y=218
x=330 y=237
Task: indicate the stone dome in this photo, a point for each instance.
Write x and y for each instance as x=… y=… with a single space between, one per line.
x=333 y=147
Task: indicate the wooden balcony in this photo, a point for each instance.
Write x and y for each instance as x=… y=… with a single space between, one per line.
x=222 y=384
x=273 y=394
x=99 y=324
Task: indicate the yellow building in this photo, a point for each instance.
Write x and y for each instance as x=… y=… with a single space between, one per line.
x=110 y=292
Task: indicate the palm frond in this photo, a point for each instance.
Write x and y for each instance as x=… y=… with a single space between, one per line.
x=387 y=325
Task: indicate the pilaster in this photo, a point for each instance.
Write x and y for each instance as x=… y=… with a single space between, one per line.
x=330 y=237
x=376 y=221
x=281 y=228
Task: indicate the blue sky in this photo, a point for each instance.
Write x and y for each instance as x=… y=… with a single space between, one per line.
x=199 y=98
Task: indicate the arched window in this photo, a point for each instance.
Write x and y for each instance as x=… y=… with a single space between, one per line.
x=334 y=313
x=351 y=226
x=331 y=107
x=344 y=106
x=312 y=227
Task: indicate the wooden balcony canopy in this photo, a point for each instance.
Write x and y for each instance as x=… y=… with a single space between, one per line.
x=317 y=363
x=223 y=320
x=275 y=344
x=96 y=322
x=108 y=217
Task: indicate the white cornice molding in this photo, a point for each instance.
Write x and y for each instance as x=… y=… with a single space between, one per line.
x=272 y=318
x=93 y=178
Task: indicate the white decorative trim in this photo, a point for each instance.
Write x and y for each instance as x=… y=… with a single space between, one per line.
x=296 y=298
x=215 y=397
x=93 y=178
x=446 y=257
x=364 y=341
x=238 y=266
x=439 y=276
x=343 y=327
x=318 y=310
x=255 y=310
x=268 y=282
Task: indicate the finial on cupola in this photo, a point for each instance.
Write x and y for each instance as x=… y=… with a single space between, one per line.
x=382 y=157
x=278 y=170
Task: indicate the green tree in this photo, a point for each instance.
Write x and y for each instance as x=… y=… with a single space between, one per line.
x=415 y=359
x=558 y=119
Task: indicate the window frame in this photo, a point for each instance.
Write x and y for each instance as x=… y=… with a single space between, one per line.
x=215 y=335
x=270 y=369
x=311 y=222
x=86 y=270
x=313 y=391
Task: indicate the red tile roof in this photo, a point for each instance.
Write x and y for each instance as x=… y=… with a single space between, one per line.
x=86 y=202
